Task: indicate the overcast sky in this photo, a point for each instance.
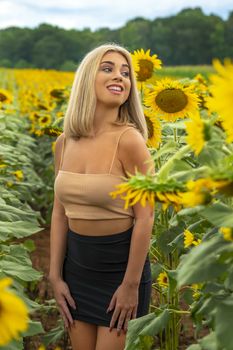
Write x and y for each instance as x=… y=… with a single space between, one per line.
x=98 y=13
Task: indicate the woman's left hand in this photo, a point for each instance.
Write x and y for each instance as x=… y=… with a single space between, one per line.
x=125 y=301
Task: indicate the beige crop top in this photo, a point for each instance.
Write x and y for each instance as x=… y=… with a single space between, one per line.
x=86 y=196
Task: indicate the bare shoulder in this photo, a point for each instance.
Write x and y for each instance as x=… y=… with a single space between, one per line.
x=59 y=140
x=131 y=138
x=133 y=152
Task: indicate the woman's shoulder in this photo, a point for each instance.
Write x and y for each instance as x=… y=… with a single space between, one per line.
x=59 y=141
x=60 y=137
x=130 y=130
x=131 y=139
x=129 y=127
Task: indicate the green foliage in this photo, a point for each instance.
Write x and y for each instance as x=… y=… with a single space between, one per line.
x=190 y=37
x=205 y=262
x=18 y=220
x=144 y=327
x=202 y=275
x=219 y=214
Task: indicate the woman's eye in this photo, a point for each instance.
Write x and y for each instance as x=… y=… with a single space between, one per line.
x=126 y=74
x=107 y=69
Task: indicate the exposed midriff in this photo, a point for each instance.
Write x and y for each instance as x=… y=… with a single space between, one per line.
x=100 y=227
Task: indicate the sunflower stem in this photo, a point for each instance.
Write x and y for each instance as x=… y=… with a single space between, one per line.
x=175 y=134
x=198 y=171
x=164 y=170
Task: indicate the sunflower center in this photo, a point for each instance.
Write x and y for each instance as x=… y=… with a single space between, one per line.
x=171 y=100
x=2 y=97
x=146 y=70
x=149 y=127
x=44 y=120
x=57 y=93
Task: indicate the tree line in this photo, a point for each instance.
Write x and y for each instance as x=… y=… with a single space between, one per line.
x=188 y=38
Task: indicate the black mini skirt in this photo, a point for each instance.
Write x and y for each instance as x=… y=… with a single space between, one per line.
x=94 y=267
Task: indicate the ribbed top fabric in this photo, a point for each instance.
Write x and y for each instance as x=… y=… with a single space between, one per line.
x=86 y=196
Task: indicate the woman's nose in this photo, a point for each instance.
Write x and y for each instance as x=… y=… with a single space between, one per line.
x=117 y=76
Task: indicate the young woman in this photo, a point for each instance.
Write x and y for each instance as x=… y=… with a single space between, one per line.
x=99 y=266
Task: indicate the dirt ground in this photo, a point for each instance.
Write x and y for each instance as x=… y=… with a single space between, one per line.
x=43 y=292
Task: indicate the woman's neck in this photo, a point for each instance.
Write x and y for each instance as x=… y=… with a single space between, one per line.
x=104 y=119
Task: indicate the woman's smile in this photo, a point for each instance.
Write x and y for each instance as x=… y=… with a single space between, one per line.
x=115 y=89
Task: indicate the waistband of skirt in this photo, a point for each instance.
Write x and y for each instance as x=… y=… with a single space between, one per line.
x=101 y=238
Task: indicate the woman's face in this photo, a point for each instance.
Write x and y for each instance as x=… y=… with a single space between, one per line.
x=112 y=83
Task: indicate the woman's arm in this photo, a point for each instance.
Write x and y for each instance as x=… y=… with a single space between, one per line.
x=59 y=224
x=58 y=241
x=58 y=237
x=133 y=155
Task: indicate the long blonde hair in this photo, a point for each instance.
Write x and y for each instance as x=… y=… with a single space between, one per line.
x=79 y=116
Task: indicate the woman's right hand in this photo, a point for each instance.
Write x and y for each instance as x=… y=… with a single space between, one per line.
x=62 y=296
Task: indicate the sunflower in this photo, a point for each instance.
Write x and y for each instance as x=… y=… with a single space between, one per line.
x=5 y=96
x=35 y=116
x=168 y=198
x=225 y=187
x=222 y=95
x=171 y=100
x=13 y=314
x=189 y=239
x=60 y=95
x=154 y=130
x=163 y=279
x=196 y=287
x=201 y=80
x=198 y=132
x=45 y=105
x=144 y=64
x=192 y=199
x=201 y=88
x=60 y=114
x=18 y=174
x=52 y=131
x=44 y=120
x=57 y=93
x=198 y=192
x=38 y=132
x=206 y=183
x=227 y=233
x=132 y=195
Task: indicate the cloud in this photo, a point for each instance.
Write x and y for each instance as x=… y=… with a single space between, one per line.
x=113 y=14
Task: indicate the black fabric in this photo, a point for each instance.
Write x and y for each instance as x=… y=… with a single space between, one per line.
x=93 y=268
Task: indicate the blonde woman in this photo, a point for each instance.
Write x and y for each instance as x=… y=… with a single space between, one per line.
x=99 y=265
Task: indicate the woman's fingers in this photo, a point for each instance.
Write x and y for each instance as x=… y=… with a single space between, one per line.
x=121 y=321
x=70 y=300
x=112 y=303
x=68 y=314
x=127 y=319
x=65 y=312
x=123 y=317
x=134 y=312
x=114 y=317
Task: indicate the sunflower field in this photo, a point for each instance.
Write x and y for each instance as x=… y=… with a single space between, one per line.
x=190 y=127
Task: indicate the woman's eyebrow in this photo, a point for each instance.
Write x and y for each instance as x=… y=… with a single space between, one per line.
x=113 y=64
